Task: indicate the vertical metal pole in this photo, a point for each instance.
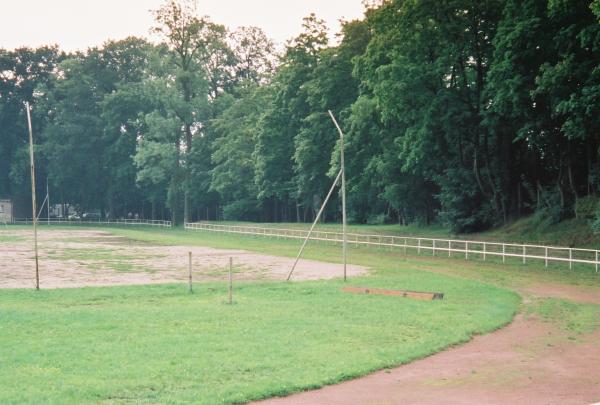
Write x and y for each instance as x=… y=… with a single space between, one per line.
x=190 y=272
x=344 y=250
x=524 y=250
x=466 y=250
x=484 y=251
x=503 y=253
x=546 y=256
x=434 y=247
x=418 y=246
x=230 y=280
x=33 y=202
x=449 y=248
x=404 y=247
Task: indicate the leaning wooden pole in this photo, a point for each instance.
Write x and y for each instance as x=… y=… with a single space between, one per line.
x=337 y=179
x=344 y=222
x=33 y=203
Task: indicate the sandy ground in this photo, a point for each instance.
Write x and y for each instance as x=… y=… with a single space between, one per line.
x=80 y=258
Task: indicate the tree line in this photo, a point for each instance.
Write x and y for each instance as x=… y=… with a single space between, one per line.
x=470 y=113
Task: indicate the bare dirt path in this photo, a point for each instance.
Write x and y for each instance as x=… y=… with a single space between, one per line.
x=527 y=362
x=79 y=258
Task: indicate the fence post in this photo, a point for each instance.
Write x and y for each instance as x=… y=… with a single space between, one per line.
x=596 y=261
x=524 y=250
x=190 y=272
x=503 y=253
x=230 y=280
x=484 y=251
x=418 y=246
x=570 y=258
x=546 y=254
x=405 y=246
x=449 y=248
x=466 y=250
x=434 y=248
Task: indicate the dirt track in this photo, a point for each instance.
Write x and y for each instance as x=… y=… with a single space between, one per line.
x=527 y=362
x=79 y=258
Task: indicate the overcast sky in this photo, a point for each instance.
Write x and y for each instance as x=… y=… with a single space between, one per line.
x=79 y=24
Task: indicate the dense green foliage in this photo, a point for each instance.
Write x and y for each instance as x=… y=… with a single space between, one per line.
x=468 y=112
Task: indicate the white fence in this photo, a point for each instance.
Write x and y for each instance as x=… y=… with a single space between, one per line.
x=120 y=222
x=469 y=249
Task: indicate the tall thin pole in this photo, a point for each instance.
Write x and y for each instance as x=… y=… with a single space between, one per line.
x=33 y=203
x=345 y=239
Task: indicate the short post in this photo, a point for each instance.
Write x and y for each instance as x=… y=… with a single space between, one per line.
x=570 y=259
x=466 y=250
x=524 y=251
x=190 y=272
x=418 y=246
x=503 y=253
x=484 y=251
x=230 y=280
x=449 y=248
x=596 y=261
x=405 y=247
x=434 y=247
x=546 y=256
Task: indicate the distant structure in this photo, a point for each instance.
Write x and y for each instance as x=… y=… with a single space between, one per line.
x=6 y=211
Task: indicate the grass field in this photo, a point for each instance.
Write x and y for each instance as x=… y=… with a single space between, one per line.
x=158 y=344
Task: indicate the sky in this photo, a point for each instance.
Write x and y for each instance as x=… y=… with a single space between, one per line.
x=79 y=24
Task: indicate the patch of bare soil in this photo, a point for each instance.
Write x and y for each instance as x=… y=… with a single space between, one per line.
x=566 y=292
x=79 y=258
x=527 y=362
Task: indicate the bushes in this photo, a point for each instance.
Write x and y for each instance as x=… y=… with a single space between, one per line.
x=587 y=207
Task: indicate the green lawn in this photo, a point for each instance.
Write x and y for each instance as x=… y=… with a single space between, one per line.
x=159 y=344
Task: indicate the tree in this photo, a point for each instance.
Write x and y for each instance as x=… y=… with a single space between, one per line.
x=254 y=53
x=197 y=45
x=22 y=71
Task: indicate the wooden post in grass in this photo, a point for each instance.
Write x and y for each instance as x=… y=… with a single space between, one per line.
x=230 y=280
x=33 y=203
x=190 y=272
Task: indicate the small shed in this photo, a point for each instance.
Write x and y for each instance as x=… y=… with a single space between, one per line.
x=6 y=211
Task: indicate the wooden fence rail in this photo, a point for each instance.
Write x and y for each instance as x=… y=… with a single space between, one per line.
x=470 y=249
